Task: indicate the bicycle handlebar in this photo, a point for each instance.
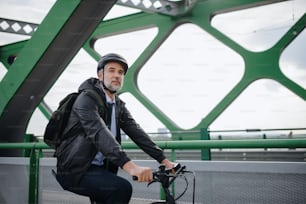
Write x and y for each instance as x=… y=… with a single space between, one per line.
x=165 y=172
x=167 y=176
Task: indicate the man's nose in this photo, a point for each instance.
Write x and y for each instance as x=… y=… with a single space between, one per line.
x=118 y=74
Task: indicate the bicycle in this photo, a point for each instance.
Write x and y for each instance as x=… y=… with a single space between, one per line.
x=166 y=177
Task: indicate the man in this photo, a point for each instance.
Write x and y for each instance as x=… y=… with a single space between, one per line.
x=88 y=161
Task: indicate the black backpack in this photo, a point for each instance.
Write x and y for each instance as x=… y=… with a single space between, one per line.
x=53 y=135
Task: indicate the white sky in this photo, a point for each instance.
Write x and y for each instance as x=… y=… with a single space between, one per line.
x=185 y=76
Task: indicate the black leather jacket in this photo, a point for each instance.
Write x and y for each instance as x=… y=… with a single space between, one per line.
x=90 y=135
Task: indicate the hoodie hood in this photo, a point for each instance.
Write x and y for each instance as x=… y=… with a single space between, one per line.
x=91 y=83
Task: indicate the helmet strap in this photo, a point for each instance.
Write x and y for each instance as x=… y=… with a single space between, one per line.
x=104 y=86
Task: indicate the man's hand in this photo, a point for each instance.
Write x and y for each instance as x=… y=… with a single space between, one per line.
x=169 y=164
x=143 y=174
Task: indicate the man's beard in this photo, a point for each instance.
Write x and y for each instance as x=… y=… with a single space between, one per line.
x=113 y=87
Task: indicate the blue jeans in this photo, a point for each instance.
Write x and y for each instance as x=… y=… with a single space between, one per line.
x=102 y=186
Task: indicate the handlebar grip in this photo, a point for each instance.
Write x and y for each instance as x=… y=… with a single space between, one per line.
x=135 y=178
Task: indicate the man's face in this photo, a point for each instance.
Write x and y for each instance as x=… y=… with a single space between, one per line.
x=113 y=76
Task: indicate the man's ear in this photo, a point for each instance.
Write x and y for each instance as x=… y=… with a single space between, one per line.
x=100 y=75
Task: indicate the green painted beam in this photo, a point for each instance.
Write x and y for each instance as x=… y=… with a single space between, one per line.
x=258 y=65
x=42 y=60
x=34 y=49
x=28 y=78
x=10 y=49
x=138 y=21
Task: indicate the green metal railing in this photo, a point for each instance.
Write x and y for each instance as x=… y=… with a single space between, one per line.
x=35 y=150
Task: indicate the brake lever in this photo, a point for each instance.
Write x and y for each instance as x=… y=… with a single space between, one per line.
x=153 y=181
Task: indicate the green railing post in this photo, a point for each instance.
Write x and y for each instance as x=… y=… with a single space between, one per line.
x=33 y=177
x=205 y=153
x=27 y=139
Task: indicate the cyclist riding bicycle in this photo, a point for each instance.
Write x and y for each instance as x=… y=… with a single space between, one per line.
x=87 y=161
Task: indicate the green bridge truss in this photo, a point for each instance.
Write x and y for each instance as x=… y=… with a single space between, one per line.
x=72 y=25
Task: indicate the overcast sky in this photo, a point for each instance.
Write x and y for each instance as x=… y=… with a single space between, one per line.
x=264 y=104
